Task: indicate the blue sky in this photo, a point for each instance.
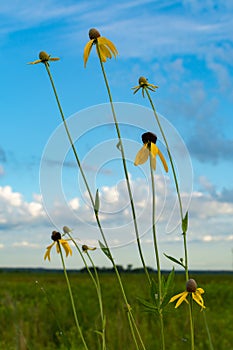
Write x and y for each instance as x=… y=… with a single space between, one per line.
x=184 y=47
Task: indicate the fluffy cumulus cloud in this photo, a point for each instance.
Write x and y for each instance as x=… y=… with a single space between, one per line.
x=210 y=213
x=210 y=217
x=16 y=212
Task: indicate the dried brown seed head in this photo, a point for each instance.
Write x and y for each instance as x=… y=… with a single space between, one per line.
x=149 y=137
x=142 y=81
x=94 y=34
x=191 y=286
x=56 y=236
x=44 y=56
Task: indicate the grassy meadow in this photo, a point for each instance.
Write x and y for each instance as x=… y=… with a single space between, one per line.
x=35 y=312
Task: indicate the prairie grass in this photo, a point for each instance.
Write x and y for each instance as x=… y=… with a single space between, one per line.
x=35 y=312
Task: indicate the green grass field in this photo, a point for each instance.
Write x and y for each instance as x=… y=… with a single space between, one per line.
x=35 y=312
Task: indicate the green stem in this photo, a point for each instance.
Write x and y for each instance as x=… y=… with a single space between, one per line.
x=132 y=331
x=68 y=133
x=157 y=254
x=71 y=298
x=124 y=165
x=190 y=307
x=97 y=286
x=168 y=151
x=207 y=330
x=181 y=211
x=90 y=195
x=186 y=256
x=99 y=294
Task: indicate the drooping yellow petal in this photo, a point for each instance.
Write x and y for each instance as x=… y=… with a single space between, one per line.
x=153 y=162
x=163 y=160
x=48 y=250
x=66 y=246
x=198 y=298
x=154 y=149
x=87 y=50
x=136 y=88
x=54 y=59
x=200 y=290
x=181 y=299
x=109 y=44
x=177 y=296
x=142 y=155
x=100 y=52
x=104 y=53
x=35 y=62
x=58 y=247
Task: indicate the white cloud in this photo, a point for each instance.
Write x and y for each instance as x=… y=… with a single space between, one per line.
x=26 y=244
x=188 y=32
x=210 y=218
x=15 y=211
x=74 y=203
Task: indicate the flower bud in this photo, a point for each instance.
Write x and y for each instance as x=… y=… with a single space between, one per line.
x=84 y=248
x=191 y=286
x=66 y=229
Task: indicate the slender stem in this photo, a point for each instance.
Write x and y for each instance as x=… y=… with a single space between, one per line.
x=181 y=212
x=71 y=298
x=186 y=256
x=96 y=283
x=154 y=230
x=207 y=331
x=131 y=327
x=91 y=197
x=68 y=133
x=99 y=294
x=124 y=165
x=168 y=151
x=190 y=307
x=157 y=254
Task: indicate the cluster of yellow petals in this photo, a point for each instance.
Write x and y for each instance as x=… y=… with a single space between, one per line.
x=58 y=242
x=144 y=152
x=143 y=84
x=44 y=57
x=195 y=292
x=104 y=47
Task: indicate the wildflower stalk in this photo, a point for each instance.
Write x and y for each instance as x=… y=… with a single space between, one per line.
x=208 y=331
x=132 y=330
x=184 y=231
x=160 y=310
x=67 y=130
x=191 y=323
x=181 y=211
x=168 y=151
x=121 y=148
x=93 y=203
x=96 y=283
x=72 y=299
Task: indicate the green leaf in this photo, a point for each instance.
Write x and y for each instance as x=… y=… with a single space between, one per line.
x=170 y=280
x=168 y=288
x=97 y=202
x=149 y=307
x=185 y=223
x=174 y=260
x=106 y=251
